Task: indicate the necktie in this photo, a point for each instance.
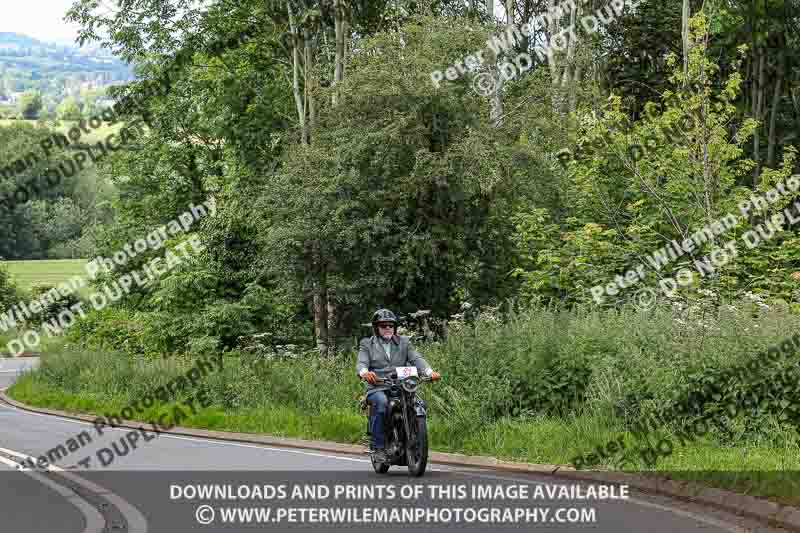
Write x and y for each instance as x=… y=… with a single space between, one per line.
x=387 y=348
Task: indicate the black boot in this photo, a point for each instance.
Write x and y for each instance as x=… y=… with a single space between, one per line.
x=379 y=455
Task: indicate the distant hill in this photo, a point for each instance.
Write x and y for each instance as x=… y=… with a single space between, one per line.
x=23 y=40
x=56 y=70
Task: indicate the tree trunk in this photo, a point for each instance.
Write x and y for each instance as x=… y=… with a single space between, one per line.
x=757 y=115
x=554 y=58
x=773 y=119
x=565 y=75
x=709 y=183
x=526 y=16
x=753 y=57
x=333 y=332
x=496 y=111
x=685 y=37
x=497 y=98
x=572 y=70
x=310 y=83
x=321 y=314
x=552 y=30
x=298 y=95
x=754 y=108
x=340 y=28
x=576 y=80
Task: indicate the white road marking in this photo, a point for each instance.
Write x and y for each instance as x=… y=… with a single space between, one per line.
x=194 y=439
x=95 y=523
x=53 y=468
x=135 y=519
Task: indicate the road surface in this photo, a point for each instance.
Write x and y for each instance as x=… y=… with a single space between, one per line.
x=153 y=487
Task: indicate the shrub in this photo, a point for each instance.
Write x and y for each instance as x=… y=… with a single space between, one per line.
x=9 y=294
x=739 y=399
x=51 y=309
x=109 y=329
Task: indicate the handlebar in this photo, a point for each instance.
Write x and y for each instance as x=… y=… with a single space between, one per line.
x=397 y=380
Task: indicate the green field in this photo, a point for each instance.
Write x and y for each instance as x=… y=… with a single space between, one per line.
x=93 y=137
x=26 y=274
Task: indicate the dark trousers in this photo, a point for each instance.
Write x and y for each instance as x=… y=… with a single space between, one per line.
x=378 y=406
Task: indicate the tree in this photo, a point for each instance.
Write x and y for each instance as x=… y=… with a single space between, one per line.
x=69 y=109
x=388 y=205
x=18 y=238
x=9 y=294
x=30 y=104
x=655 y=180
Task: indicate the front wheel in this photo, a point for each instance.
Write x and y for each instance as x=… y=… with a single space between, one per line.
x=380 y=468
x=417 y=452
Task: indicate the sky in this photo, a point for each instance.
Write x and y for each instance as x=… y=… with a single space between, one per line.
x=41 y=19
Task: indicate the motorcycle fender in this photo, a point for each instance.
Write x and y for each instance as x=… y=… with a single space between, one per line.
x=421 y=408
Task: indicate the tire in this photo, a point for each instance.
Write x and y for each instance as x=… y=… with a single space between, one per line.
x=417 y=456
x=380 y=468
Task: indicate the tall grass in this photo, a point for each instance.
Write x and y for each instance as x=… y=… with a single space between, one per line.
x=637 y=360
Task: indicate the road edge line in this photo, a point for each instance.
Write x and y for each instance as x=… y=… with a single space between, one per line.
x=771 y=513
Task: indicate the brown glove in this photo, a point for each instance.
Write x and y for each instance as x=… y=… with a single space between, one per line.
x=371 y=377
x=435 y=376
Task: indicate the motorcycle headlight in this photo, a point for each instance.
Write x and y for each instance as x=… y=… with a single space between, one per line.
x=410 y=385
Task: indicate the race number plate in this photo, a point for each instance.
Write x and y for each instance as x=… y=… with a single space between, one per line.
x=406 y=371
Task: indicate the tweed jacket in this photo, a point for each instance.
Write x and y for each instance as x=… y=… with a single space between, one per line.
x=372 y=357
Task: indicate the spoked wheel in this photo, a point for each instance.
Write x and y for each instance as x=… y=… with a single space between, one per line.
x=380 y=468
x=417 y=450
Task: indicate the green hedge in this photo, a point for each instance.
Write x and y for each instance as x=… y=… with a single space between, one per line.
x=622 y=365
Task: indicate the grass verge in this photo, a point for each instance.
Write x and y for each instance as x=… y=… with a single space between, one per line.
x=92 y=384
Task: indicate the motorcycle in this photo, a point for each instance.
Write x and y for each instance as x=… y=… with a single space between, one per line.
x=405 y=423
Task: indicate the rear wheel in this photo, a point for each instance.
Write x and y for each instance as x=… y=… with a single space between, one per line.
x=417 y=452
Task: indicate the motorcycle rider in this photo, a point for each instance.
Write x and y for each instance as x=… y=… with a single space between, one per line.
x=378 y=356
